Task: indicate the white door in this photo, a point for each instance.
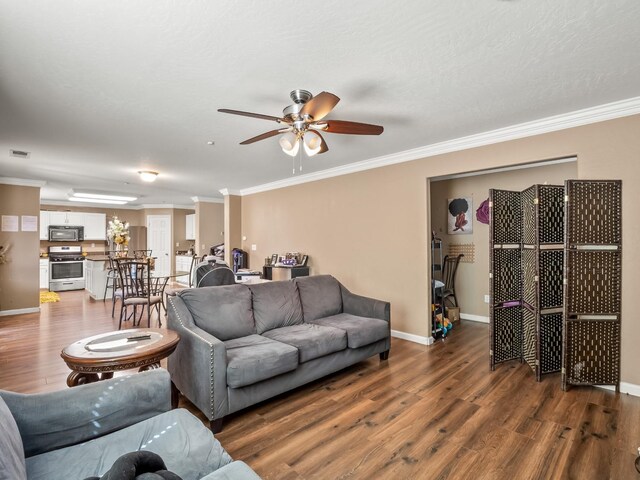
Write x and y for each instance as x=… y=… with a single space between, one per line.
x=159 y=242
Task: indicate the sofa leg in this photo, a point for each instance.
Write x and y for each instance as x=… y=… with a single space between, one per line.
x=175 y=395
x=384 y=355
x=215 y=425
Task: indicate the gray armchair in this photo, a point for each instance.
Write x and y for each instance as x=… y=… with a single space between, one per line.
x=79 y=432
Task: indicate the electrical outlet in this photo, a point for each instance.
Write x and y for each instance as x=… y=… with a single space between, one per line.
x=487 y=299
x=254 y=247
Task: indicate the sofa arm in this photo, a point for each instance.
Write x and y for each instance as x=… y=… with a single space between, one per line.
x=198 y=366
x=233 y=471
x=364 y=306
x=48 y=421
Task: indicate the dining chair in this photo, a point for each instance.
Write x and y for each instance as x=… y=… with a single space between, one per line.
x=449 y=278
x=113 y=280
x=142 y=254
x=139 y=289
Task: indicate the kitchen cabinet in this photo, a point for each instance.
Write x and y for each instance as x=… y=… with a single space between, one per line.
x=95 y=226
x=44 y=225
x=96 y=278
x=44 y=273
x=183 y=264
x=190 y=233
x=66 y=218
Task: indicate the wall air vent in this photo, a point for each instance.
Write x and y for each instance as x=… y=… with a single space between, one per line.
x=19 y=153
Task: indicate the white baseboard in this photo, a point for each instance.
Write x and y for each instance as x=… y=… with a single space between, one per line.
x=19 y=311
x=412 y=338
x=474 y=318
x=625 y=387
x=630 y=388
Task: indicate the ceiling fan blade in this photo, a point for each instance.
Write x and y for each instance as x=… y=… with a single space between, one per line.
x=254 y=115
x=320 y=105
x=270 y=134
x=323 y=145
x=349 y=128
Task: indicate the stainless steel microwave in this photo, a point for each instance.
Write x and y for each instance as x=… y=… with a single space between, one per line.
x=66 y=233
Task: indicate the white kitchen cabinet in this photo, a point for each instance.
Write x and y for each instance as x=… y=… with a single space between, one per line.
x=190 y=233
x=66 y=218
x=44 y=225
x=95 y=226
x=183 y=264
x=44 y=273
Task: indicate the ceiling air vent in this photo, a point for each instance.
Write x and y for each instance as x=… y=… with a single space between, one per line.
x=19 y=153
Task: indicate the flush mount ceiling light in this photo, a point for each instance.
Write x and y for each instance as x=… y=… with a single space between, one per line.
x=94 y=197
x=148 y=175
x=97 y=200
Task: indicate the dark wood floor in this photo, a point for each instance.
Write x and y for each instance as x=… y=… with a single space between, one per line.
x=428 y=412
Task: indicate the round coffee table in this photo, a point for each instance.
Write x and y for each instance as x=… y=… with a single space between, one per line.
x=96 y=358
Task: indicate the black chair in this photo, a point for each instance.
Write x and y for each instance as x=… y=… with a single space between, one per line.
x=141 y=254
x=449 y=279
x=216 y=277
x=139 y=289
x=113 y=280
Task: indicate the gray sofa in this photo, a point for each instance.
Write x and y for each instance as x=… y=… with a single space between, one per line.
x=242 y=344
x=79 y=432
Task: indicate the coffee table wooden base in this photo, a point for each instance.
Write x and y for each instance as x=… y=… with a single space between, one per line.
x=89 y=367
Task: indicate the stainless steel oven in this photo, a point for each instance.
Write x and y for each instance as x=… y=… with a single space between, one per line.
x=66 y=233
x=66 y=268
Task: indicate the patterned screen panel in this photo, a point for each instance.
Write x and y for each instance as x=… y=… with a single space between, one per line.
x=551 y=269
x=529 y=338
x=593 y=352
x=507 y=275
x=594 y=212
x=507 y=334
x=529 y=284
x=550 y=343
x=507 y=217
x=551 y=214
x=594 y=282
x=529 y=215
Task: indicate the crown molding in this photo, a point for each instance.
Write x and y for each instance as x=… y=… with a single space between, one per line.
x=510 y=168
x=207 y=199
x=600 y=113
x=22 y=182
x=229 y=191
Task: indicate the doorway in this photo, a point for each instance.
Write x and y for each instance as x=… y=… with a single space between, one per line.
x=461 y=231
x=159 y=242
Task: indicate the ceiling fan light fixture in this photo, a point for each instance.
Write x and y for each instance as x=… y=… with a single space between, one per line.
x=148 y=175
x=312 y=143
x=289 y=143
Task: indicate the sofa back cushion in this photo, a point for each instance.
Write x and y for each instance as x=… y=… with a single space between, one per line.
x=12 y=465
x=276 y=304
x=320 y=296
x=224 y=312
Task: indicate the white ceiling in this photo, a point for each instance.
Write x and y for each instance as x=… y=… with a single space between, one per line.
x=97 y=90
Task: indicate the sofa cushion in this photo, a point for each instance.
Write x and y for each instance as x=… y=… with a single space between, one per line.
x=312 y=341
x=320 y=296
x=275 y=304
x=184 y=443
x=224 y=312
x=361 y=331
x=12 y=464
x=254 y=358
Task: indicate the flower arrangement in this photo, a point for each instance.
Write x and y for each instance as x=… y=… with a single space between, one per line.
x=118 y=232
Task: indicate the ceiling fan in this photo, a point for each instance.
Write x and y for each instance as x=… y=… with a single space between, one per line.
x=303 y=122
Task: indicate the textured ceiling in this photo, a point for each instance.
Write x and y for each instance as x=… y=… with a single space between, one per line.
x=98 y=90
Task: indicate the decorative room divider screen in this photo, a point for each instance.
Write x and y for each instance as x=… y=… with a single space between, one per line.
x=526 y=275
x=573 y=327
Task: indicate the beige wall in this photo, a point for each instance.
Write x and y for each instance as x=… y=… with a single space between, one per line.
x=370 y=229
x=232 y=225
x=209 y=226
x=19 y=277
x=471 y=279
x=180 y=241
